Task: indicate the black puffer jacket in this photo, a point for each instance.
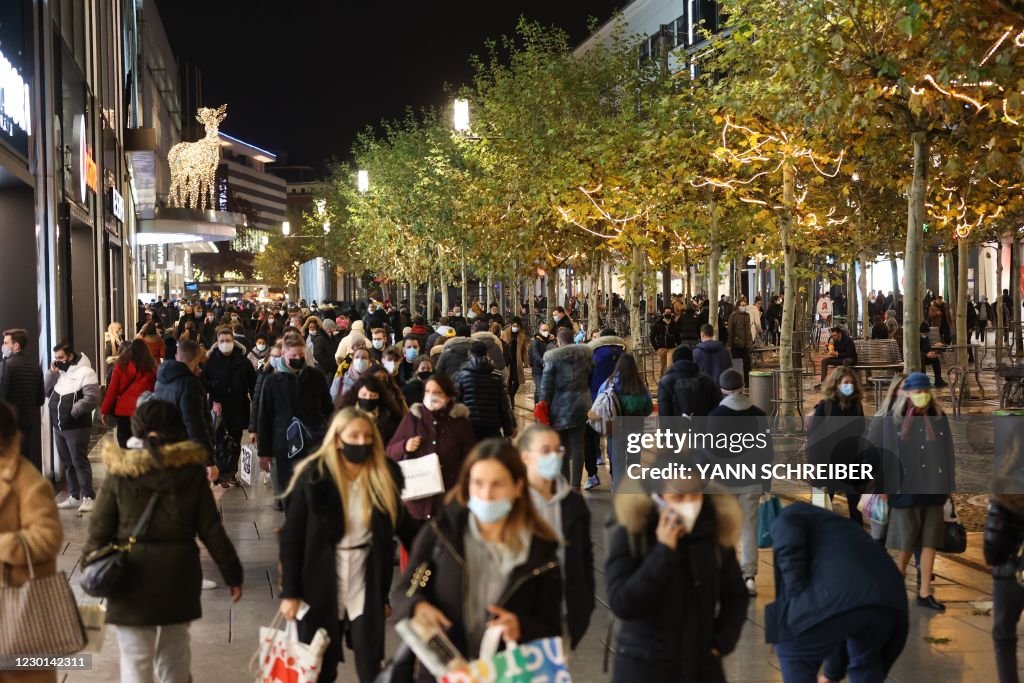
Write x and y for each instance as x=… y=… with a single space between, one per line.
x=257 y=393
x=232 y=381
x=285 y=395
x=1004 y=533
x=565 y=385
x=482 y=390
x=685 y=390
x=164 y=579
x=176 y=384
x=21 y=385
x=689 y=328
x=538 y=347
x=454 y=354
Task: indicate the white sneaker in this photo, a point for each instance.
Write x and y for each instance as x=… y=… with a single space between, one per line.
x=87 y=504
x=751 y=587
x=209 y=585
x=69 y=503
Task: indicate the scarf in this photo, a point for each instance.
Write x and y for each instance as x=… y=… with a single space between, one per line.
x=905 y=429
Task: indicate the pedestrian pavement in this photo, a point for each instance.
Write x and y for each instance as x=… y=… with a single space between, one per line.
x=954 y=646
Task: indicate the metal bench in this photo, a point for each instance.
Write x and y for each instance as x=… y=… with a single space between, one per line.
x=874 y=355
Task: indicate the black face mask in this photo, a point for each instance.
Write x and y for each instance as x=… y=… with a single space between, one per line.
x=369 y=404
x=356 y=454
x=62 y=365
x=424 y=374
x=297 y=363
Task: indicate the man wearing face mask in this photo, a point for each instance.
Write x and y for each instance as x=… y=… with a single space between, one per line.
x=410 y=352
x=567 y=514
x=674 y=583
x=21 y=385
x=517 y=355
x=664 y=338
x=741 y=337
x=378 y=341
x=561 y=320
x=74 y=393
x=542 y=341
x=208 y=331
x=232 y=382
x=294 y=399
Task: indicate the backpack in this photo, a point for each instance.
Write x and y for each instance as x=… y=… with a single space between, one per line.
x=606 y=406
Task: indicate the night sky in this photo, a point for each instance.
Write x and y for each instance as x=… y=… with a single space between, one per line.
x=302 y=77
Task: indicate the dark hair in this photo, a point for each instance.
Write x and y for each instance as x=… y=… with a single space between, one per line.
x=66 y=348
x=188 y=350
x=291 y=340
x=421 y=359
x=444 y=382
x=161 y=417
x=10 y=435
x=707 y=330
x=682 y=353
x=480 y=326
x=411 y=337
x=18 y=336
x=629 y=380
x=558 y=309
x=564 y=336
x=606 y=332
x=925 y=329
x=516 y=320
x=462 y=331
x=478 y=348
x=371 y=383
x=139 y=355
x=418 y=320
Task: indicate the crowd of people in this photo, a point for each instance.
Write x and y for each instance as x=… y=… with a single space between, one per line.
x=337 y=403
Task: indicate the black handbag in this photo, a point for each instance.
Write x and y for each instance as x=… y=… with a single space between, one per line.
x=103 y=569
x=955 y=540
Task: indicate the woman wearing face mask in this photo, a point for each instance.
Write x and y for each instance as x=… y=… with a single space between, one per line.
x=391 y=359
x=413 y=389
x=835 y=434
x=517 y=356
x=492 y=560
x=337 y=543
x=567 y=514
x=542 y=341
x=918 y=465
x=674 y=582
x=438 y=425
x=372 y=397
x=391 y=388
x=318 y=343
x=360 y=364
x=260 y=353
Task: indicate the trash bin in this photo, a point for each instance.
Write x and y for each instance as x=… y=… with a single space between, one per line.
x=761 y=390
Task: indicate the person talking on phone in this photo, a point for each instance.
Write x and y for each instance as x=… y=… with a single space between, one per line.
x=674 y=582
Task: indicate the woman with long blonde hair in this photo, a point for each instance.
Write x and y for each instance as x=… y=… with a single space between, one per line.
x=336 y=548
x=488 y=559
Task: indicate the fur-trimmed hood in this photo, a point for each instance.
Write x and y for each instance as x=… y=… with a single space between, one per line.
x=457 y=410
x=484 y=337
x=610 y=340
x=574 y=353
x=633 y=511
x=457 y=341
x=136 y=462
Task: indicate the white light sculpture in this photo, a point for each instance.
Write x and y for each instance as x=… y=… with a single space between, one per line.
x=194 y=164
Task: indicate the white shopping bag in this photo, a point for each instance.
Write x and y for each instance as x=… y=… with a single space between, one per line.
x=820 y=498
x=283 y=658
x=94 y=619
x=422 y=477
x=247 y=464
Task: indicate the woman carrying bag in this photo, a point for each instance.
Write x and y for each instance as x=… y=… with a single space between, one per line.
x=337 y=543
x=134 y=374
x=835 y=433
x=160 y=595
x=487 y=560
x=27 y=509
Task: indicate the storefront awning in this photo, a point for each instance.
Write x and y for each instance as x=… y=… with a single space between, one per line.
x=183 y=226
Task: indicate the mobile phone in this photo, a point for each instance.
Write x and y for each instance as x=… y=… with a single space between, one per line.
x=663 y=506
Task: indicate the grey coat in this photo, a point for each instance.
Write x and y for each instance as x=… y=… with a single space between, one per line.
x=565 y=385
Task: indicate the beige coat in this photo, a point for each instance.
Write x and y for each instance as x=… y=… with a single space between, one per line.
x=522 y=359
x=27 y=506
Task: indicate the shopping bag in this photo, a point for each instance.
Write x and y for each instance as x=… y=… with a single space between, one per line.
x=820 y=498
x=422 y=477
x=283 y=658
x=247 y=465
x=769 y=509
x=955 y=538
x=94 y=619
x=539 y=661
x=874 y=507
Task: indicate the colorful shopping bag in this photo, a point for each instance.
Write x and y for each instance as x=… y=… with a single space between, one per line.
x=875 y=507
x=283 y=658
x=769 y=509
x=539 y=661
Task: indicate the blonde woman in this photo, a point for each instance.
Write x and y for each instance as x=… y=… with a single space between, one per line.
x=336 y=544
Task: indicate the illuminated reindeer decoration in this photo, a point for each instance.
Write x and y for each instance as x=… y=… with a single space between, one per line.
x=194 y=164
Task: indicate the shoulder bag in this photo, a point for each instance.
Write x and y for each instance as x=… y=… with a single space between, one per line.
x=103 y=569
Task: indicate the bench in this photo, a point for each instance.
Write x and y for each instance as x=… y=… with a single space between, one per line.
x=877 y=354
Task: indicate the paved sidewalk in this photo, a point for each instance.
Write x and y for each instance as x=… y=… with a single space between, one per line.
x=955 y=646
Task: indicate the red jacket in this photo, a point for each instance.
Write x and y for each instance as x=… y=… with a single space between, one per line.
x=126 y=385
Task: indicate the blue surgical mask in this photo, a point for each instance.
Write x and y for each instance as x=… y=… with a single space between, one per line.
x=411 y=354
x=549 y=465
x=580 y=336
x=489 y=511
x=847 y=389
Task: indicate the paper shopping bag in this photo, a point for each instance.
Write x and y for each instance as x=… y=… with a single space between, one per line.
x=422 y=477
x=283 y=658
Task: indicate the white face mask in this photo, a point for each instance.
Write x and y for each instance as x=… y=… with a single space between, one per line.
x=390 y=366
x=515 y=329
x=261 y=347
x=378 y=344
x=360 y=364
x=688 y=512
x=226 y=347
x=432 y=402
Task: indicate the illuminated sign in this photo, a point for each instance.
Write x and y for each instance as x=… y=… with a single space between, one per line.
x=15 y=101
x=88 y=172
x=117 y=204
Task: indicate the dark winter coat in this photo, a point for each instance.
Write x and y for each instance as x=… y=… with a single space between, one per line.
x=323 y=353
x=164 y=579
x=565 y=385
x=176 y=384
x=712 y=358
x=413 y=390
x=482 y=390
x=579 y=587
x=126 y=385
x=689 y=328
x=21 y=385
x=232 y=382
x=835 y=436
x=313 y=528
x=918 y=472
x=257 y=394
x=681 y=611
x=665 y=335
x=454 y=354
x=685 y=390
x=1004 y=533
x=741 y=337
x=517 y=353
x=449 y=434
x=735 y=414
x=826 y=565
x=845 y=348
x=538 y=347
x=607 y=352
x=285 y=395
x=533 y=593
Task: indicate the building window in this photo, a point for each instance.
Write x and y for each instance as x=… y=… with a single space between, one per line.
x=679 y=28
x=645 y=50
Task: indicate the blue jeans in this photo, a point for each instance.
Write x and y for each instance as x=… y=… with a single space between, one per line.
x=869 y=638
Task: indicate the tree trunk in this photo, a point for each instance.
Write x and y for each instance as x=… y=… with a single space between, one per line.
x=428 y=314
x=789 y=283
x=531 y=303
x=636 y=293
x=895 y=278
x=666 y=275
x=864 y=314
x=593 y=285
x=489 y=297
x=962 y=247
x=851 y=298
x=997 y=304
x=445 y=308
x=686 y=274
x=465 y=287
x=551 y=285
x=714 y=275
x=913 y=258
